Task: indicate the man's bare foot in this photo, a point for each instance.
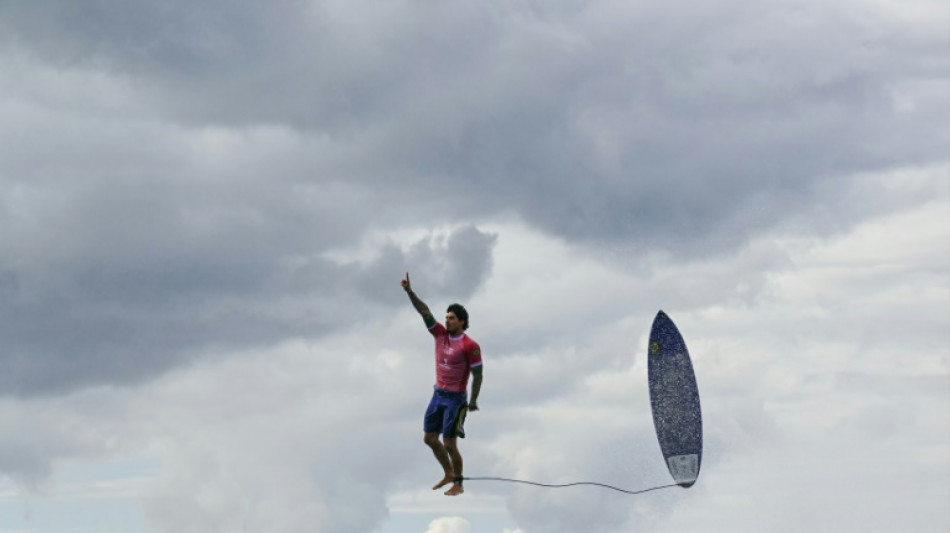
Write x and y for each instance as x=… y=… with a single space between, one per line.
x=455 y=490
x=445 y=481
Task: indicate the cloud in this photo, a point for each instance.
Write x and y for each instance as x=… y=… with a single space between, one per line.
x=267 y=440
x=42 y=434
x=33 y=442
x=453 y=524
x=596 y=123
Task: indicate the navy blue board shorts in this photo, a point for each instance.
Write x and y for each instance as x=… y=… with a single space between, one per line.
x=446 y=413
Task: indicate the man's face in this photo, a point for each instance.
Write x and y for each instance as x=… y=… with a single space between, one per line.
x=452 y=324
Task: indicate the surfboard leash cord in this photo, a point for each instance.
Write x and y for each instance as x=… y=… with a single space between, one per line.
x=560 y=486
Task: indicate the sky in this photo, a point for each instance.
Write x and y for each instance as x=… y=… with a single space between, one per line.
x=206 y=210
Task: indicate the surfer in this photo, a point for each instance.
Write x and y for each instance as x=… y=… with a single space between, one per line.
x=457 y=357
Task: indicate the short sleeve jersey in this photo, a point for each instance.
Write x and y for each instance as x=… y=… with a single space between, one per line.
x=455 y=357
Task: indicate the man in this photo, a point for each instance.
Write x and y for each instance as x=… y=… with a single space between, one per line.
x=456 y=357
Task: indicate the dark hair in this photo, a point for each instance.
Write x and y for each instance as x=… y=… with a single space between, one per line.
x=460 y=313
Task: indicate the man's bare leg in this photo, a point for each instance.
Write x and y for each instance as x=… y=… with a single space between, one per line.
x=442 y=455
x=451 y=447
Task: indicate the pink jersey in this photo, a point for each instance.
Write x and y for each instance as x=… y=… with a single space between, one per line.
x=455 y=357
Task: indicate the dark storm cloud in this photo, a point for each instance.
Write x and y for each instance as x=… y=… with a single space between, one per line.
x=315 y=65
x=598 y=122
x=593 y=126
x=125 y=282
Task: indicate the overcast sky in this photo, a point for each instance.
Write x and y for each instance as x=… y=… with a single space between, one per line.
x=206 y=209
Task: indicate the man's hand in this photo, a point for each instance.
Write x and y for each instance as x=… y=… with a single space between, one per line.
x=405 y=284
x=472 y=406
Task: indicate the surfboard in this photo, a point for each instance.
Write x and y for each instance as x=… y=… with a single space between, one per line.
x=674 y=398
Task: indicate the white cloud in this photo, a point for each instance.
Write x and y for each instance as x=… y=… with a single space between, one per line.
x=449 y=524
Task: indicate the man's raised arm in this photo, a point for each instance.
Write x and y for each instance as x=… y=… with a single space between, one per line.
x=420 y=306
